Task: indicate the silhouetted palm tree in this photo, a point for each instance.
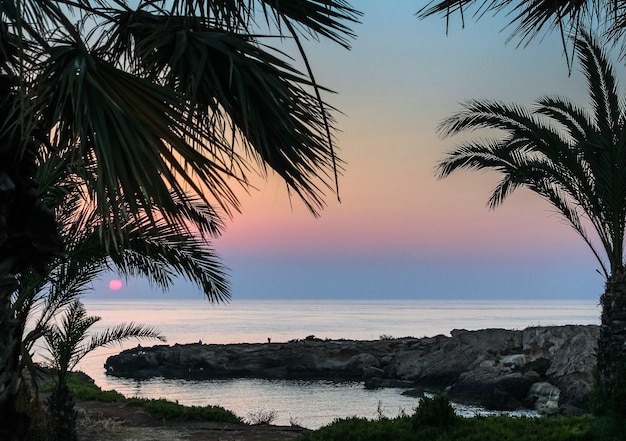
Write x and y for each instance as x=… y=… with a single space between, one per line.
x=528 y=19
x=577 y=162
x=67 y=342
x=147 y=246
x=159 y=101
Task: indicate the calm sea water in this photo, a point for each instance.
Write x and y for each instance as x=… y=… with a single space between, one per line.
x=307 y=403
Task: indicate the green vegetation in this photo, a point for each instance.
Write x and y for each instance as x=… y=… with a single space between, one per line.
x=434 y=420
x=168 y=410
x=490 y=428
x=434 y=412
x=163 y=409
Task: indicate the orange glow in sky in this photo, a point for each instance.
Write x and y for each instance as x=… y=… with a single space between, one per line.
x=421 y=236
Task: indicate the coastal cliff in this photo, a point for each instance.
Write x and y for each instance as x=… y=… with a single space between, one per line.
x=549 y=369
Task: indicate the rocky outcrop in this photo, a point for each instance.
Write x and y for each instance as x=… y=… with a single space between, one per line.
x=543 y=368
x=310 y=358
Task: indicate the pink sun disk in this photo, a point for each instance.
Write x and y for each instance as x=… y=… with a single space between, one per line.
x=115 y=284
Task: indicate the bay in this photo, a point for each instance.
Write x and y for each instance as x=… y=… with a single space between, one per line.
x=307 y=403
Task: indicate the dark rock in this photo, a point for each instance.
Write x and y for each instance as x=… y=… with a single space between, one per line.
x=495 y=368
x=571 y=350
x=378 y=383
x=539 y=365
x=417 y=393
x=545 y=398
x=499 y=393
x=373 y=372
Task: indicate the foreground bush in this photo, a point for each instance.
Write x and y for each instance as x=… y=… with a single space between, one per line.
x=490 y=428
x=434 y=412
x=435 y=420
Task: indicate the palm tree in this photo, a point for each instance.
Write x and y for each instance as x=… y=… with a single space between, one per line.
x=530 y=18
x=67 y=343
x=162 y=100
x=577 y=162
x=151 y=248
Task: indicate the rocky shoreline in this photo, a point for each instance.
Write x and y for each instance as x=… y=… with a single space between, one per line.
x=548 y=369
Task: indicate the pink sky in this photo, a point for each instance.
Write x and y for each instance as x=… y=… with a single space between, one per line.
x=401 y=78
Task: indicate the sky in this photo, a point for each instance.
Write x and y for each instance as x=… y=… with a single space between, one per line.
x=398 y=232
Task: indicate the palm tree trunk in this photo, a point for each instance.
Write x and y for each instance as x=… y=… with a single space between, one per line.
x=62 y=414
x=14 y=422
x=28 y=239
x=612 y=345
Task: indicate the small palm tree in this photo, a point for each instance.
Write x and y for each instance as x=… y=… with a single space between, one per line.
x=67 y=343
x=577 y=162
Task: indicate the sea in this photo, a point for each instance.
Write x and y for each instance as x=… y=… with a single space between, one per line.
x=309 y=404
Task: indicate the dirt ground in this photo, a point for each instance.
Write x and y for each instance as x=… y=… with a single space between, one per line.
x=99 y=421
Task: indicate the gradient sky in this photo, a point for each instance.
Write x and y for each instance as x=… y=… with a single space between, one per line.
x=398 y=232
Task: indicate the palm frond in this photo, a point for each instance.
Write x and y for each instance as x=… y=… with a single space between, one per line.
x=574 y=119
x=65 y=341
x=159 y=252
x=574 y=160
x=136 y=132
x=486 y=114
x=600 y=81
x=505 y=187
x=254 y=96
x=327 y=18
x=528 y=20
x=473 y=155
x=123 y=332
x=65 y=338
x=318 y=17
x=563 y=203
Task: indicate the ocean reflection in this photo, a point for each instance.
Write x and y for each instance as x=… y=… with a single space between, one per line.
x=310 y=404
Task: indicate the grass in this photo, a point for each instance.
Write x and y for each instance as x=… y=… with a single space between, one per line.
x=163 y=409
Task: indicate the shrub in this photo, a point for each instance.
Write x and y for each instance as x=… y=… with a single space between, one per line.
x=168 y=410
x=608 y=428
x=362 y=429
x=87 y=390
x=489 y=428
x=434 y=412
x=260 y=417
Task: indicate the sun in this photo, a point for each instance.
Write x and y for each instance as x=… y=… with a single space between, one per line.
x=115 y=284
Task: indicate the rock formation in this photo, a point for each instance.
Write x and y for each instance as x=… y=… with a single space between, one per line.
x=544 y=368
